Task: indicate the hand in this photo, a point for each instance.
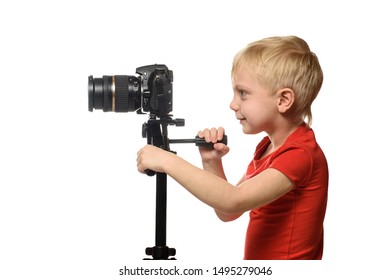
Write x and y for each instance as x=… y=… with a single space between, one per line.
x=212 y=136
x=152 y=158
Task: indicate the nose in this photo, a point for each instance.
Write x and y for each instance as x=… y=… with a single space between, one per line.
x=234 y=105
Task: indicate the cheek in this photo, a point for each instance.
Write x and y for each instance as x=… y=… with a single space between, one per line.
x=251 y=110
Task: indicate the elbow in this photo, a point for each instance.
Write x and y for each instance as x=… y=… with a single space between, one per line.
x=232 y=206
x=229 y=211
x=225 y=217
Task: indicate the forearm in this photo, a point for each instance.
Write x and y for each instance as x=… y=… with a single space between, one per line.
x=209 y=187
x=217 y=169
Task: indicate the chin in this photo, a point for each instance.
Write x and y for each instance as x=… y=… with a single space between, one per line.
x=246 y=130
x=249 y=131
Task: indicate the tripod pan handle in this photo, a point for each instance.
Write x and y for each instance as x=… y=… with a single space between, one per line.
x=200 y=142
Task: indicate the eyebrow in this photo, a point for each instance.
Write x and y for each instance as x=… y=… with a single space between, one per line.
x=240 y=87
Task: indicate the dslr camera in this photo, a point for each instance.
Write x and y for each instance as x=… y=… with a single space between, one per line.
x=150 y=91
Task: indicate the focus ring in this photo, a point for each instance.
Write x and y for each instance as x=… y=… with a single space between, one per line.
x=121 y=94
x=107 y=93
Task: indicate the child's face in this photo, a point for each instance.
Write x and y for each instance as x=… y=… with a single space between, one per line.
x=254 y=106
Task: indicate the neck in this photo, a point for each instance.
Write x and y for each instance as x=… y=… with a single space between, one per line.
x=279 y=136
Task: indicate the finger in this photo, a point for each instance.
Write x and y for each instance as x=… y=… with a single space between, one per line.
x=139 y=166
x=138 y=161
x=221 y=133
x=213 y=135
x=139 y=156
x=201 y=133
x=206 y=135
x=140 y=170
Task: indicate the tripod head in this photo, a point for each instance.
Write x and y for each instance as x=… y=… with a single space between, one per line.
x=156 y=132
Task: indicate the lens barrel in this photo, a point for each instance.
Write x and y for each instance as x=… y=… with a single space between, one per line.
x=118 y=93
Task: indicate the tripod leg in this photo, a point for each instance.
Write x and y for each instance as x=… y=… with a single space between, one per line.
x=161 y=209
x=160 y=251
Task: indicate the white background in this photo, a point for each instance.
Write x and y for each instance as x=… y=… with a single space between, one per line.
x=72 y=204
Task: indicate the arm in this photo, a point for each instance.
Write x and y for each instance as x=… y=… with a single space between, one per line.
x=212 y=189
x=225 y=217
x=216 y=168
x=212 y=162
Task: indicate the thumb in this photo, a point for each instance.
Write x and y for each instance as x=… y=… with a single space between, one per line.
x=221 y=148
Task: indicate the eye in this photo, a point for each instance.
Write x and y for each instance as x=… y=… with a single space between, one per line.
x=242 y=93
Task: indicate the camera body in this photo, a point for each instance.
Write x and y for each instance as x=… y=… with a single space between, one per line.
x=151 y=91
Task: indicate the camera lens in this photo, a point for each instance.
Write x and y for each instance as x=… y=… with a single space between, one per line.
x=114 y=93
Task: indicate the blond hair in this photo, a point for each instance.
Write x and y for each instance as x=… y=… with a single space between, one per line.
x=284 y=62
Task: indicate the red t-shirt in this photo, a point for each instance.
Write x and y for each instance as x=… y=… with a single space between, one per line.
x=291 y=227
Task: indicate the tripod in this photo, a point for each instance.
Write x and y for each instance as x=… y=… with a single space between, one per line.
x=156 y=132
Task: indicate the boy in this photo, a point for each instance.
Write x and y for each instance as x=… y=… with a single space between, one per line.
x=275 y=81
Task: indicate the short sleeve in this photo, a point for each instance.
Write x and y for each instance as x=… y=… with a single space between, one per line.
x=294 y=162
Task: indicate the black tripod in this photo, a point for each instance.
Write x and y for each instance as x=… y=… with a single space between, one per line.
x=156 y=132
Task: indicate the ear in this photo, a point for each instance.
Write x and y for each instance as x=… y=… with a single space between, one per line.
x=286 y=98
